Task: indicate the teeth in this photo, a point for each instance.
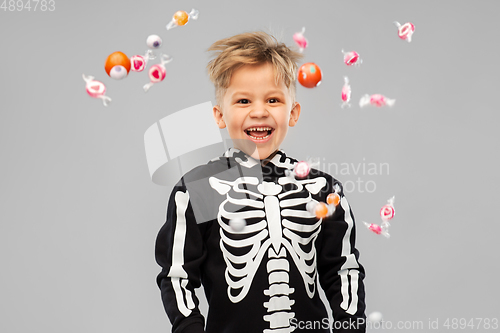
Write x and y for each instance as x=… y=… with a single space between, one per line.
x=259 y=129
x=262 y=138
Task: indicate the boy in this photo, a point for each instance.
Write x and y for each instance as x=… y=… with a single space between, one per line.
x=239 y=224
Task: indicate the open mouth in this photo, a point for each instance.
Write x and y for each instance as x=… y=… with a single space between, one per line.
x=259 y=133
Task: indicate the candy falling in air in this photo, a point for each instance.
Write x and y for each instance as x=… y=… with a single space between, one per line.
x=181 y=18
x=377 y=229
x=154 y=42
x=237 y=224
x=375 y=317
x=139 y=62
x=309 y=75
x=387 y=212
x=301 y=41
x=96 y=89
x=405 y=31
x=301 y=169
x=346 y=93
x=117 y=65
x=376 y=100
x=333 y=199
x=321 y=210
x=157 y=72
x=352 y=58
x=311 y=207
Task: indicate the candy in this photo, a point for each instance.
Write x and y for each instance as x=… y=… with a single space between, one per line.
x=352 y=58
x=321 y=210
x=157 y=72
x=387 y=212
x=346 y=93
x=153 y=42
x=96 y=89
x=376 y=100
x=117 y=65
x=309 y=75
x=139 y=62
x=182 y=18
x=237 y=224
x=375 y=317
x=405 y=31
x=302 y=169
x=333 y=199
x=311 y=207
x=377 y=229
x=301 y=41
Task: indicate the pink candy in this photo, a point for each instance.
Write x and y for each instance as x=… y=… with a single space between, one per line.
x=139 y=62
x=301 y=41
x=386 y=213
x=405 y=31
x=157 y=72
x=346 y=93
x=352 y=58
x=377 y=229
x=376 y=100
x=96 y=89
x=302 y=169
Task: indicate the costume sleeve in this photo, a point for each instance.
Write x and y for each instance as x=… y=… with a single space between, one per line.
x=180 y=252
x=340 y=274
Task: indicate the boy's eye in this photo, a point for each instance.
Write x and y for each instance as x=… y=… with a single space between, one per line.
x=273 y=100
x=243 y=101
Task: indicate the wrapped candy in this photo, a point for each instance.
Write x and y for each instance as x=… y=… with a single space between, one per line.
x=157 y=72
x=154 y=42
x=377 y=229
x=117 y=65
x=387 y=212
x=182 y=18
x=301 y=169
x=299 y=38
x=309 y=75
x=139 y=62
x=321 y=209
x=237 y=224
x=376 y=100
x=96 y=89
x=375 y=318
x=405 y=31
x=346 y=93
x=352 y=58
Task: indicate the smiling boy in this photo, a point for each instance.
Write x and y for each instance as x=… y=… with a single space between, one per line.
x=262 y=274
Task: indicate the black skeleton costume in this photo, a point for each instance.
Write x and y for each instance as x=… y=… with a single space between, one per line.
x=264 y=277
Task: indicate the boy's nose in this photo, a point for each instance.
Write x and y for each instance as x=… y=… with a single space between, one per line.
x=259 y=111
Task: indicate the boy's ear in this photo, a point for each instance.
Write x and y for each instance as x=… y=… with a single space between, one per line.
x=219 y=119
x=294 y=115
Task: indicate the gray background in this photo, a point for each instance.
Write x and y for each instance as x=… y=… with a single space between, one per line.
x=80 y=214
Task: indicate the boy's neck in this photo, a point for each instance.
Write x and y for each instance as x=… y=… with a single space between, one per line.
x=264 y=161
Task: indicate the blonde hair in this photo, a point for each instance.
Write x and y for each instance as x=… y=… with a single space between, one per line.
x=251 y=48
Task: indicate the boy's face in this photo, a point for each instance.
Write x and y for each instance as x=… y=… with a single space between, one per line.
x=256 y=111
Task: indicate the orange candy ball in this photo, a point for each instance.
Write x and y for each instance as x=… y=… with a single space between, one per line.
x=309 y=75
x=333 y=198
x=321 y=210
x=181 y=17
x=116 y=59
